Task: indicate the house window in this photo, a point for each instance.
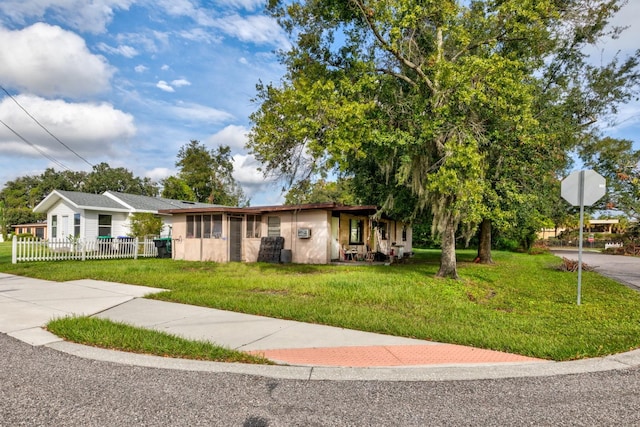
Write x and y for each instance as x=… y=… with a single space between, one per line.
x=54 y=226
x=356 y=227
x=104 y=225
x=76 y=225
x=273 y=223
x=194 y=226
x=382 y=226
x=217 y=226
x=254 y=223
x=40 y=233
x=404 y=233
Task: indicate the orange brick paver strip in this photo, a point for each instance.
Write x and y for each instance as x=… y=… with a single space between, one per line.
x=392 y=355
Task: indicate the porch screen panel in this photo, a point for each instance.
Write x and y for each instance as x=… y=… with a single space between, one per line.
x=217 y=226
x=206 y=226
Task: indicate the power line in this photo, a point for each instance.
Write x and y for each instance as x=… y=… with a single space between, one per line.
x=43 y=127
x=35 y=147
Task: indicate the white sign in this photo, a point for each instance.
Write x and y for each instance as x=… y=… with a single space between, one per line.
x=582 y=188
x=593 y=185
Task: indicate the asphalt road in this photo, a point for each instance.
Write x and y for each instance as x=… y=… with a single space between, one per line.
x=39 y=386
x=624 y=269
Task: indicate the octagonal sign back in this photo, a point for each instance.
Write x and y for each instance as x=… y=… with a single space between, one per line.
x=593 y=188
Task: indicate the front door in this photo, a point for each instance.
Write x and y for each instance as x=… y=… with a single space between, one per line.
x=335 y=237
x=65 y=226
x=235 y=239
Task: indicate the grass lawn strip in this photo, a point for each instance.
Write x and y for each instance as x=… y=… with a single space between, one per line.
x=119 y=336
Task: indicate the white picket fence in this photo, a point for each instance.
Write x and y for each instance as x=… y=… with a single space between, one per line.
x=34 y=249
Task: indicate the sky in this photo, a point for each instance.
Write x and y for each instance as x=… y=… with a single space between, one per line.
x=129 y=82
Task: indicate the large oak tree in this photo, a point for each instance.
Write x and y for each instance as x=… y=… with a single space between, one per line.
x=449 y=99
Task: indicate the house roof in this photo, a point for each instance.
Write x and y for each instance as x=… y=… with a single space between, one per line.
x=112 y=201
x=139 y=203
x=80 y=201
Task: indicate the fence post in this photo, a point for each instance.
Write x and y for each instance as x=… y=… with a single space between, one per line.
x=14 y=249
x=135 y=248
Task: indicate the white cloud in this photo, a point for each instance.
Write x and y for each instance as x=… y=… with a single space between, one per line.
x=180 y=83
x=253 y=182
x=162 y=85
x=140 y=68
x=200 y=113
x=86 y=16
x=170 y=87
x=126 y=51
x=165 y=67
x=90 y=129
x=49 y=61
x=245 y=169
x=199 y=35
x=156 y=174
x=258 y=29
x=243 y=61
x=234 y=136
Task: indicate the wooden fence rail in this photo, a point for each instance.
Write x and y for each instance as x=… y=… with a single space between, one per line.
x=33 y=249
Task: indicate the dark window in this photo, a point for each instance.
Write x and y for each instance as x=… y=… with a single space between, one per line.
x=40 y=233
x=76 y=225
x=404 y=233
x=274 y=226
x=356 y=227
x=104 y=225
x=382 y=226
x=54 y=226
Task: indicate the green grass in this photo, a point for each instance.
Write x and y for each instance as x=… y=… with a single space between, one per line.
x=119 y=336
x=521 y=304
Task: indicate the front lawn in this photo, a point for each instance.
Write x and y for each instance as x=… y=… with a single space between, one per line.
x=522 y=304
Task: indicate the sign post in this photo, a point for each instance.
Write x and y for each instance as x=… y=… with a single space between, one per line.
x=582 y=188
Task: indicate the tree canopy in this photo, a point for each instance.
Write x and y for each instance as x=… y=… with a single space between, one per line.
x=204 y=176
x=472 y=106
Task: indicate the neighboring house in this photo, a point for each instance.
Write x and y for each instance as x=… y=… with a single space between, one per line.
x=313 y=233
x=88 y=216
x=38 y=229
x=606 y=226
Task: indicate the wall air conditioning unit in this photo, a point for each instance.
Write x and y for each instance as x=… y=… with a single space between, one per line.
x=304 y=233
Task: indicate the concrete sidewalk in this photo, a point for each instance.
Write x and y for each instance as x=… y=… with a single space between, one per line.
x=309 y=351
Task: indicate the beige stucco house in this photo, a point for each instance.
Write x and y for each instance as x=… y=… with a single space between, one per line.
x=312 y=233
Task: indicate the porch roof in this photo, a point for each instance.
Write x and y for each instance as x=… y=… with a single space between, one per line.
x=257 y=210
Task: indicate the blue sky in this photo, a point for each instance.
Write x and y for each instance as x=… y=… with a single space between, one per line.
x=128 y=82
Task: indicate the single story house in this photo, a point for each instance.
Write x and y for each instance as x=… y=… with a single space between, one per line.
x=37 y=229
x=312 y=233
x=88 y=216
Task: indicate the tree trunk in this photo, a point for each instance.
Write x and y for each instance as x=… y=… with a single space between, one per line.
x=484 y=245
x=448 y=267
